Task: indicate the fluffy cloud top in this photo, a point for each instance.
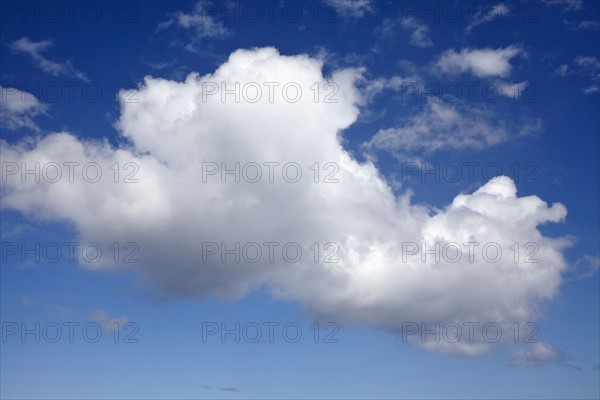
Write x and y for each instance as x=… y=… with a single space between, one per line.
x=175 y=127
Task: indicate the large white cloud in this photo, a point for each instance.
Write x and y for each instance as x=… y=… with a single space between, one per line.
x=170 y=212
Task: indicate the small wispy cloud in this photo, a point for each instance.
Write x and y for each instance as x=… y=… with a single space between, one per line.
x=512 y=90
x=106 y=321
x=582 y=25
x=562 y=70
x=445 y=126
x=480 y=62
x=586 y=66
x=351 y=8
x=59 y=309
x=201 y=25
x=19 y=108
x=585 y=267
x=591 y=89
x=159 y=66
x=35 y=50
x=27 y=301
x=573 y=368
x=591 y=64
x=419 y=33
x=536 y=355
x=489 y=13
x=568 y=5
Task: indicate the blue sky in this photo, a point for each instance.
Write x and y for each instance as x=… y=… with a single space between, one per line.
x=476 y=88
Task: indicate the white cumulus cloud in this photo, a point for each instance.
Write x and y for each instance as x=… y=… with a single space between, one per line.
x=171 y=211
